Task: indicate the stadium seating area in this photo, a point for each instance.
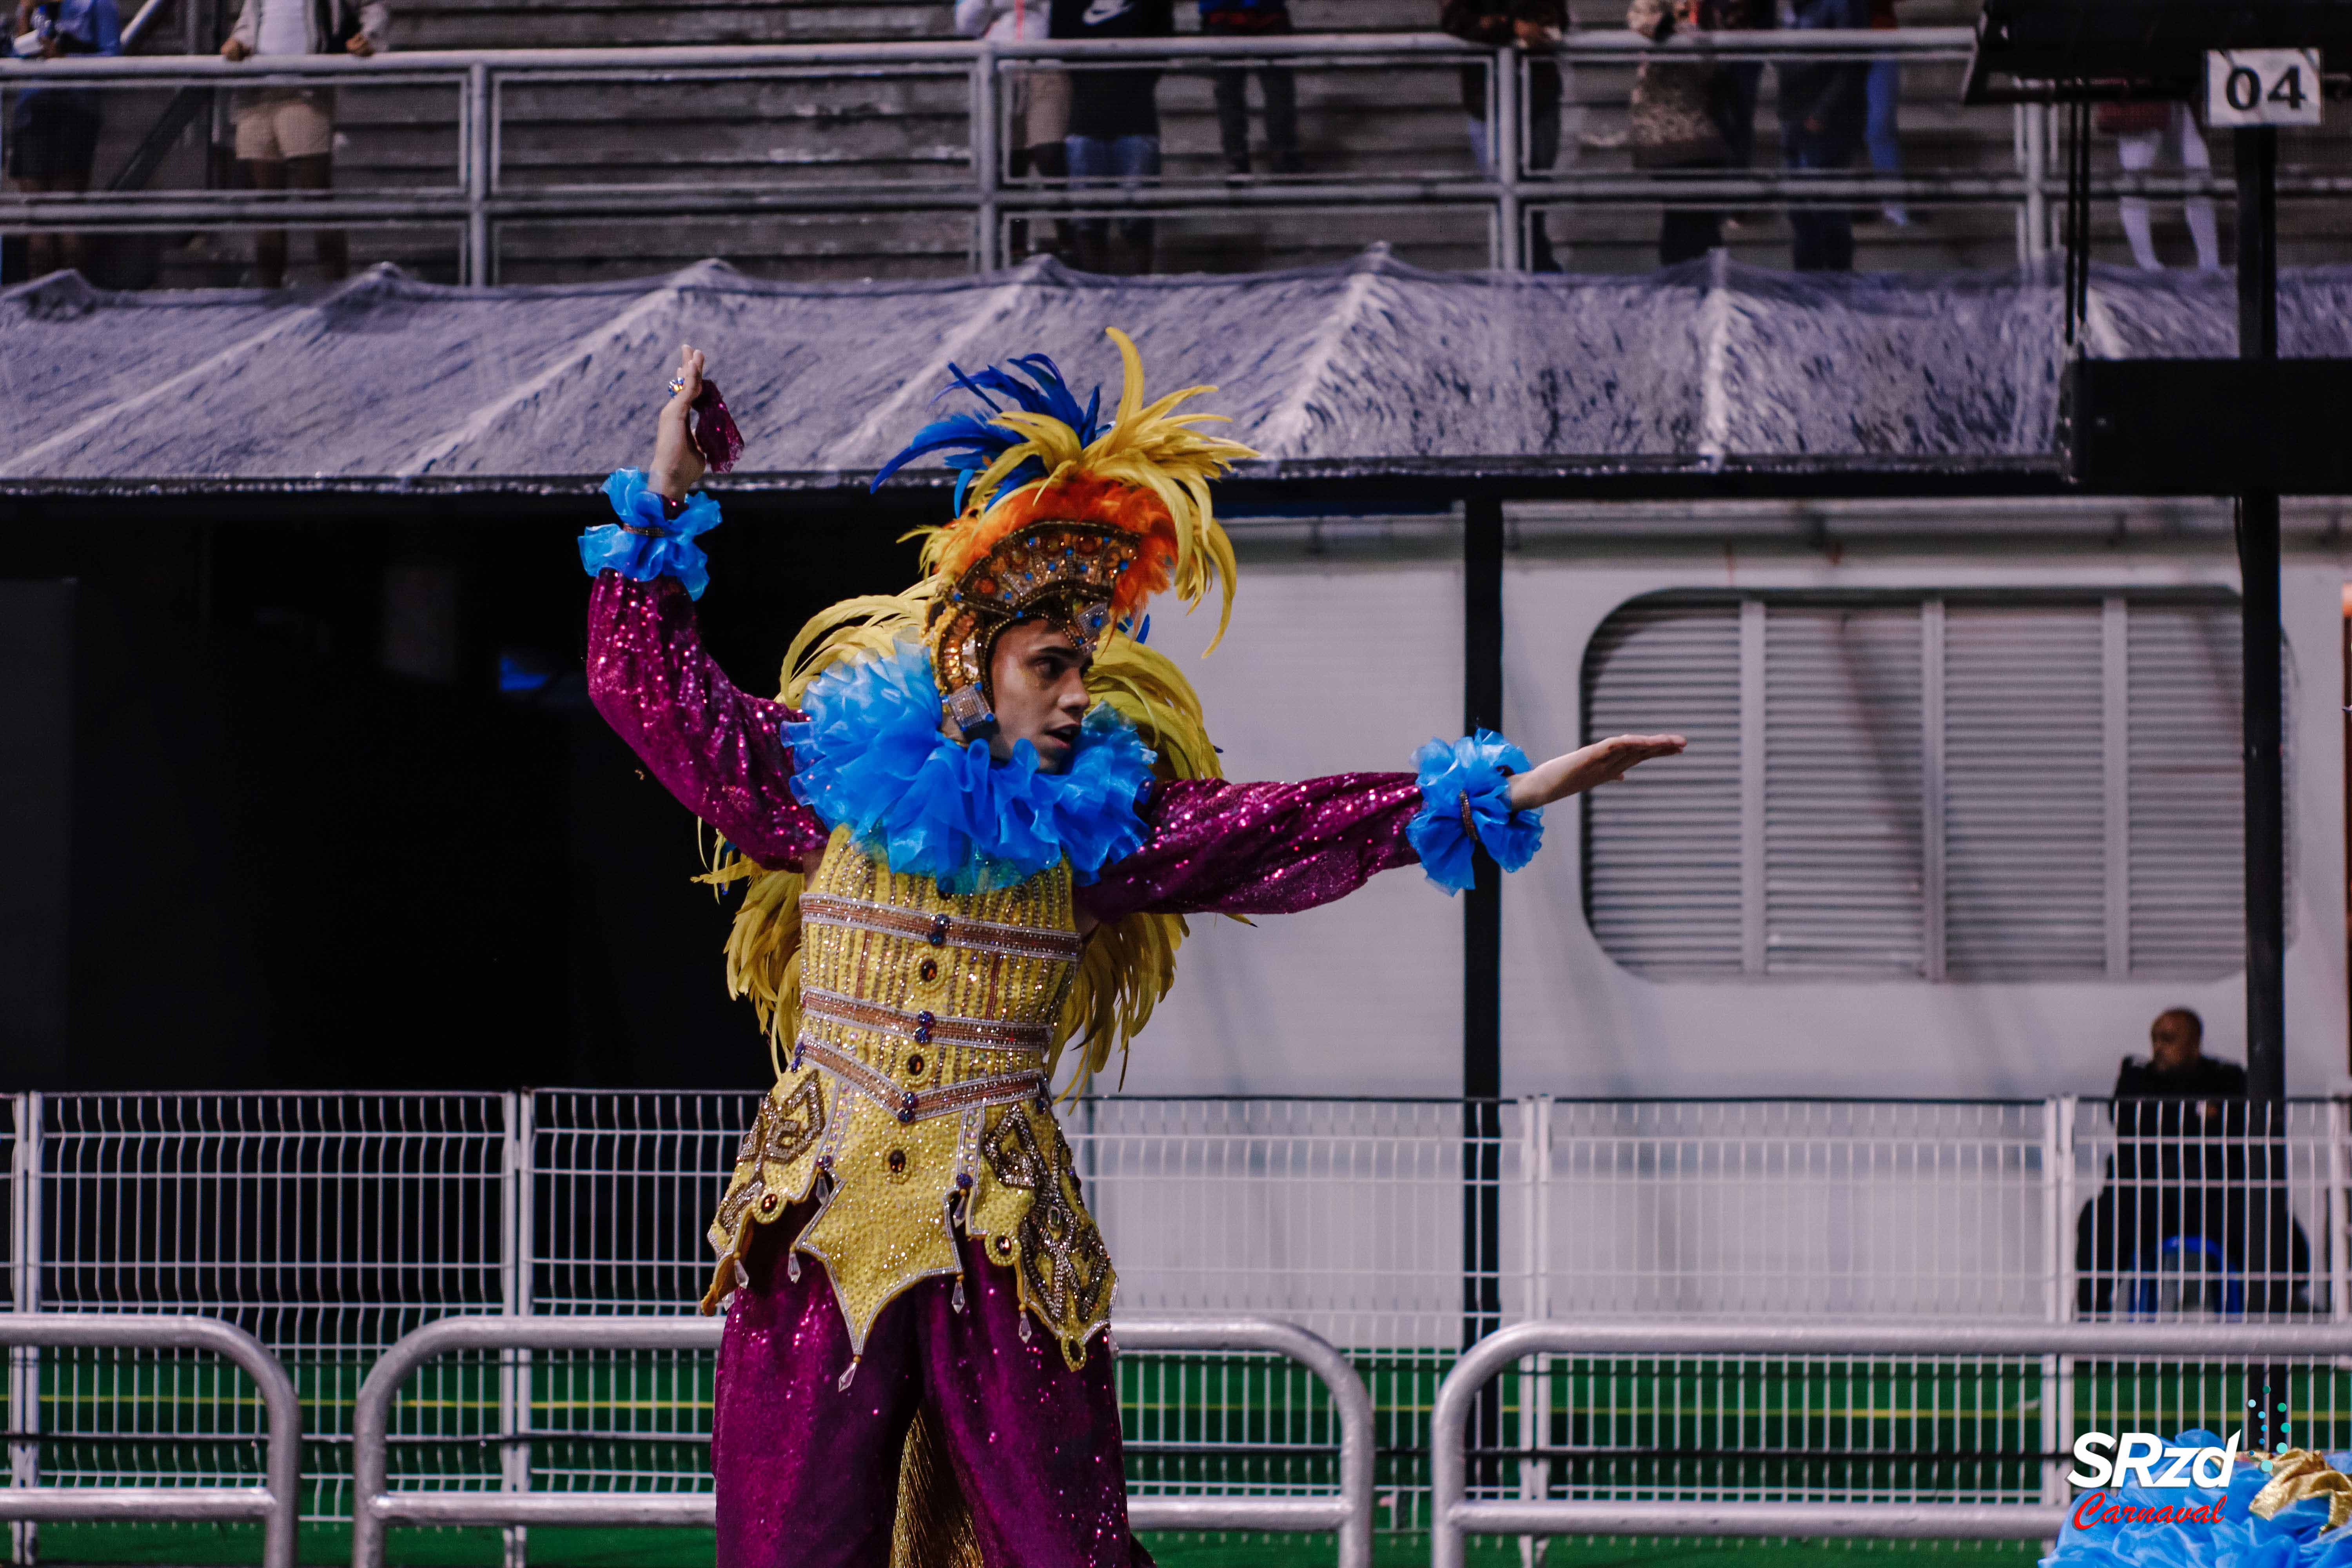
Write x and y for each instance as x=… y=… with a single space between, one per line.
x=861 y=129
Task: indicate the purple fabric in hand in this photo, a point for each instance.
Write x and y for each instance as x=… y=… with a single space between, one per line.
x=1259 y=848
x=715 y=748
x=715 y=436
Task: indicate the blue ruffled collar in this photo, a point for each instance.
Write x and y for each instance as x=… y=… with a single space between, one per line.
x=871 y=754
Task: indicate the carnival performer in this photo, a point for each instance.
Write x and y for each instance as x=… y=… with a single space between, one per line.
x=966 y=836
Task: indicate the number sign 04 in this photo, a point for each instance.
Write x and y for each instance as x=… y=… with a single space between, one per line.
x=2261 y=87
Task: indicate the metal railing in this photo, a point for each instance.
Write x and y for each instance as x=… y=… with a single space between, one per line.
x=330 y=1225
x=274 y=1502
x=478 y=198
x=1456 y=1515
x=376 y=1505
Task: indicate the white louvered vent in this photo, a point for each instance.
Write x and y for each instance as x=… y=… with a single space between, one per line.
x=1662 y=848
x=1843 y=866
x=1961 y=786
x=2025 y=885
x=2188 y=789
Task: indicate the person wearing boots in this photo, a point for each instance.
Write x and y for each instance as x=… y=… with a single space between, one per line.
x=286 y=136
x=1823 y=110
x=1689 y=113
x=1254 y=19
x=1533 y=26
x=1039 y=117
x=1114 y=125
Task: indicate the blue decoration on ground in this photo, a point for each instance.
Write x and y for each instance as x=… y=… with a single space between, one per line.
x=667 y=550
x=871 y=754
x=1476 y=768
x=2141 y=1527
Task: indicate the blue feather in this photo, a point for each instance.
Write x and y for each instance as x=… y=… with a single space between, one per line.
x=971 y=443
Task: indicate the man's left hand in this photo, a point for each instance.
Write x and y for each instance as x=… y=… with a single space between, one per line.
x=1602 y=763
x=359 y=46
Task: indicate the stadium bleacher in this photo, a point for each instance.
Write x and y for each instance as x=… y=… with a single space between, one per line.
x=869 y=128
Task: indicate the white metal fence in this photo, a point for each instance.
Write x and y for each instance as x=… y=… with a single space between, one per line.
x=329 y=1225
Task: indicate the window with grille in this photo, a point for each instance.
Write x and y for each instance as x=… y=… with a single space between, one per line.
x=1939 y=786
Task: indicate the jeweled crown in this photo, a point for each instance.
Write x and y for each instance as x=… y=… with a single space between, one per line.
x=1064 y=519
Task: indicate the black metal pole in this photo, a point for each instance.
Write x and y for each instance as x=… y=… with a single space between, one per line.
x=2257 y=568
x=1482 y=974
x=2256 y=156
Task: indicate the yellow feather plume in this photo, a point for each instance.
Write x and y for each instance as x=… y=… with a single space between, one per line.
x=1148 y=446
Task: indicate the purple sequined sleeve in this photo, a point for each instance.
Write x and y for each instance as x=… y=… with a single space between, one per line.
x=714 y=747
x=1259 y=848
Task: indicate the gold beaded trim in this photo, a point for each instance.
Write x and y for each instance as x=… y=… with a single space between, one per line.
x=941 y=929
x=920 y=1105
x=924 y=1028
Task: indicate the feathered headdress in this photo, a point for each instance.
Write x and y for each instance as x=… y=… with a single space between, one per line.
x=1061 y=517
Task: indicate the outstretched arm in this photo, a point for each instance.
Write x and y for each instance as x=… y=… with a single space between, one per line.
x=1276 y=849
x=1258 y=848
x=719 y=750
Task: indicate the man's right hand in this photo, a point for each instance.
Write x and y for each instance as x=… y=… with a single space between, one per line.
x=677 y=463
x=234 y=50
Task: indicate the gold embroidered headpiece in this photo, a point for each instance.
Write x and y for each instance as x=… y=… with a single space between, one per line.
x=1062 y=518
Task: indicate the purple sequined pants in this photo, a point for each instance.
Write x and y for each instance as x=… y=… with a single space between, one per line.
x=807 y=1473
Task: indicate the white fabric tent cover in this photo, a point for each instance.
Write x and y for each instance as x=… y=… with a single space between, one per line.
x=389 y=380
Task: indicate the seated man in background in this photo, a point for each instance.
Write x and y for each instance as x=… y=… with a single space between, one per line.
x=286 y=136
x=2178 y=1224
x=2178 y=1069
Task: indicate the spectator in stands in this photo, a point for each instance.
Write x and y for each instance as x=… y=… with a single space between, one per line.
x=2188 y=1204
x=1823 y=109
x=286 y=136
x=1687 y=114
x=1882 y=92
x=1040 y=118
x=1534 y=27
x=1254 y=19
x=2143 y=132
x=53 y=131
x=1114 y=125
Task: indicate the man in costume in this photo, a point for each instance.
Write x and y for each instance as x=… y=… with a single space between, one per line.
x=967 y=836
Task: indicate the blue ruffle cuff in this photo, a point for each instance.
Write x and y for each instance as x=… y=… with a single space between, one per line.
x=1474 y=771
x=665 y=548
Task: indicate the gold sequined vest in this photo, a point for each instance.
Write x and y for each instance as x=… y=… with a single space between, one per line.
x=916 y=1102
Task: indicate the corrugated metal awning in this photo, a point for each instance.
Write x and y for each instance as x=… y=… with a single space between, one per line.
x=385 y=383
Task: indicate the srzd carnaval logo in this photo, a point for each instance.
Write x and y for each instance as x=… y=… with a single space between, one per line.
x=2144 y=1460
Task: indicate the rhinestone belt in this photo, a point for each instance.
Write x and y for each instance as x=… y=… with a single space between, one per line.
x=923 y=1029
x=920 y=1104
x=940 y=929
